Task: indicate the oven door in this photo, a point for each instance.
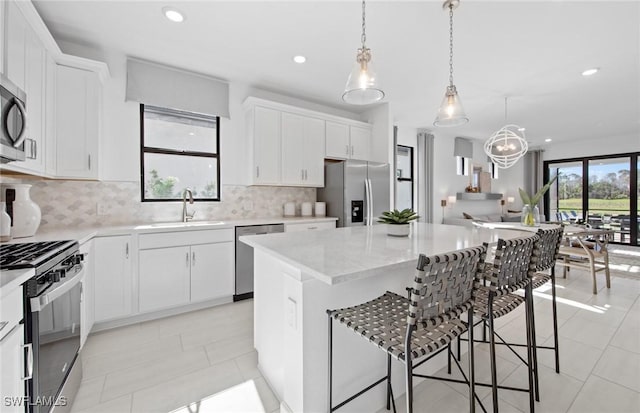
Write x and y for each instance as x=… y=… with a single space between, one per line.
x=13 y=122
x=54 y=324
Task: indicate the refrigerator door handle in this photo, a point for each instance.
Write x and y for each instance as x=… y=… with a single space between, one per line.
x=369 y=200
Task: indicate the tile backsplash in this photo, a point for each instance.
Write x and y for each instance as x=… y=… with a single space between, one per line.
x=77 y=203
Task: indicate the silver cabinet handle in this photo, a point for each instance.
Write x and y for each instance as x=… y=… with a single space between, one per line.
x=187 y=257
x=193 y=259
x=346 y=149
x=351 y=150
x=126 y=250
x=312 y=227
x=302 y=174
x=257 y=172
x=35 y=149
x=89 y=161
x=306 y=175
x=29 y=348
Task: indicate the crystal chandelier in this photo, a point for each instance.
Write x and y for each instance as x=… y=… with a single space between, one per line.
x=451 y=112
x=362 y=86
x=507 y=145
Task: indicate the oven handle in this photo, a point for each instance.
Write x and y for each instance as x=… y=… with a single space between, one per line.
x=38 y=303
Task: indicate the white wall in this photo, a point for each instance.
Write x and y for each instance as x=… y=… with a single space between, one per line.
x=120 y=145
x=593 y=147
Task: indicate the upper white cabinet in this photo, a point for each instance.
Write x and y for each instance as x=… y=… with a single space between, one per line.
x=15 y=32
x=264 y=124
x=288 y=144
x=302 y=146
x=113 y=277
x=345 y=141
x=76 y=122
x=87 y=303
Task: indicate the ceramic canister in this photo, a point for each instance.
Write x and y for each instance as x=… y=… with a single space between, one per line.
x=25 y=213
x=290 y=209
x=5 y=223
x=307 y=209
x=321 y=209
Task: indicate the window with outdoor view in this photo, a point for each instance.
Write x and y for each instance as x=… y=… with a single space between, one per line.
x=179 y=150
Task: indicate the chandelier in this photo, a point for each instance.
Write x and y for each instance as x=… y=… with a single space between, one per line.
x=507 y=145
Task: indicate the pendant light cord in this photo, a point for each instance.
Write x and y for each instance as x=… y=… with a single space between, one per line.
x=505 y=109
x=450 y=43
x=363 y=37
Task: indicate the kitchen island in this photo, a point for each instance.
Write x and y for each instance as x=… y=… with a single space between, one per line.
x=298 y=276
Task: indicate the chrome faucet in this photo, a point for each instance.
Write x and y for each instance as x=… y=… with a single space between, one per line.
x=185 y=215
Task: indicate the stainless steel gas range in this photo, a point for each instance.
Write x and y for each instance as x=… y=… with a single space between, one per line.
x=52 y=321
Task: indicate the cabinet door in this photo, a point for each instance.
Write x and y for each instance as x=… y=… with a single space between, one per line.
x=164 y=278
x=337 y=140
x=266 y=146
x=87 y=308
x=12 y=360
x=212 y=271
x=360 y=142
x=313 y=159
x=293 y=150
x=77 y=103
x=16 y=40
x=34 y=88
x=50 y=115
x=3 y=49
x=113 y=277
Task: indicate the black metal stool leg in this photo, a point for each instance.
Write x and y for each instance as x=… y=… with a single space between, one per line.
x=534 y=348
x=529 y=349
x=472 y=374
x=492 y=350
x=449 y=358
x=330 y=395
x=555 y=318
x=389 y=382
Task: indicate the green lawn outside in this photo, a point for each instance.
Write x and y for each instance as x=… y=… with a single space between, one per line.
x=596 y=205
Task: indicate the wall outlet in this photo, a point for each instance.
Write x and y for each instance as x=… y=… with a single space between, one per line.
x=102 y=208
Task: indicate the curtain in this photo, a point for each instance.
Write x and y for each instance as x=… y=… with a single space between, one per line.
x=533 y=175
x=168 y=87
x=425 y=175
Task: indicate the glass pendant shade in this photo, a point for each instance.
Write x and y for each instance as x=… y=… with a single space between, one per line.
x=451 y=112
x=505 y=147
x=362 y=85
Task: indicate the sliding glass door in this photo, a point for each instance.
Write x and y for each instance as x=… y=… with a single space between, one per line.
x=601 y=191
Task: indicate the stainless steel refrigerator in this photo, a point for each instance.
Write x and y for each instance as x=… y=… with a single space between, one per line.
x=357 y=192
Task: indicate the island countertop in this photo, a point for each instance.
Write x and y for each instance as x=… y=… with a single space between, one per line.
x=351 y=253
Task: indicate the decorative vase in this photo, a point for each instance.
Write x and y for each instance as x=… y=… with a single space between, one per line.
x=5 y=224
x=530 y=216
x=398 y=230
x=25 y=214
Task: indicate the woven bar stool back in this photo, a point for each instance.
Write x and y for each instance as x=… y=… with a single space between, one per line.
x=511 y=267
x=547 y=248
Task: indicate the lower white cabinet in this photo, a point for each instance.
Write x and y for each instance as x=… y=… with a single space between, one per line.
x=87 y=302
x=164 y=278
x=113 y=277
x=179 y=268
x=12 y=373
x=309 y=226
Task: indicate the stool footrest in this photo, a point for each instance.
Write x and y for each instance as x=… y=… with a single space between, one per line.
x=366 y=389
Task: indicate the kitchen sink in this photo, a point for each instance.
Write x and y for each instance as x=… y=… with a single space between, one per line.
x=180 y=224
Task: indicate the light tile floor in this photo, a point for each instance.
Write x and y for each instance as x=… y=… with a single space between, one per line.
x=204 y=361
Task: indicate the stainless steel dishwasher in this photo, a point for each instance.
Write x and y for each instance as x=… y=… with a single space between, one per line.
x=244 y=258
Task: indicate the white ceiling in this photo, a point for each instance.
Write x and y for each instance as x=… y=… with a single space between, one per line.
x=533 y=52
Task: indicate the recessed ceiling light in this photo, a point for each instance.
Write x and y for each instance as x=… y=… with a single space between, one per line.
x=522 y=129
x=173 y=14
x=548 y=140
x=590 y=72
x=299 y=59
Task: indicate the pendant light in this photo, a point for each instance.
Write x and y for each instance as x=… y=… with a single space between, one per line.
x=362 y=85
x=507 y=145
x=451 y=112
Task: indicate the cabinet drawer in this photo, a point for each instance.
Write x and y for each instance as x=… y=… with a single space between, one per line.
x=10 y=311
x=174 y=239
x=309 y=226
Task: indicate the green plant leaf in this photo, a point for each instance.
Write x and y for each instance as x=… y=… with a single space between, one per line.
x=525 y=197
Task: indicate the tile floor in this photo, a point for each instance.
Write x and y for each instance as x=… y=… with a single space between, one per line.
x=204 y=361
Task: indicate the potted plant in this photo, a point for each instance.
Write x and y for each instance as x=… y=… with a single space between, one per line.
x=398 y=221
x=530 y=212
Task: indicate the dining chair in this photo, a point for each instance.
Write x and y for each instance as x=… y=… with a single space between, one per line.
x=412 y=330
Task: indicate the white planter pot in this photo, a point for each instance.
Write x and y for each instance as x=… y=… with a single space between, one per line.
x=26 y=213
x=398 y=230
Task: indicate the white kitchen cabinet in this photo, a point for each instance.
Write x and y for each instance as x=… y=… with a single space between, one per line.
x=16 y=31
x=77 y=105
x=12 y=350
x=212 y=271
x=3 y=49
x=35 y=60
x=87 y=302
x=178 y=268
x=302 y=148
x=345 y=141
x=164 y=278
x=50 y=115
x=310 y=226
x=113 y=277
x=265 y=127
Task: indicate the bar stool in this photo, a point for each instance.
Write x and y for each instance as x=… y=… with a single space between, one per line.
x=509 y=272
x=411 y=329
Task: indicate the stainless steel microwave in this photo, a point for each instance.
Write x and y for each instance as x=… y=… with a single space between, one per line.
x=13 y=122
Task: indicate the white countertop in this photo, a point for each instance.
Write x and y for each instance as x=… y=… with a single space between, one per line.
x=10 y=280
x=84 y=234
x=344 y=254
